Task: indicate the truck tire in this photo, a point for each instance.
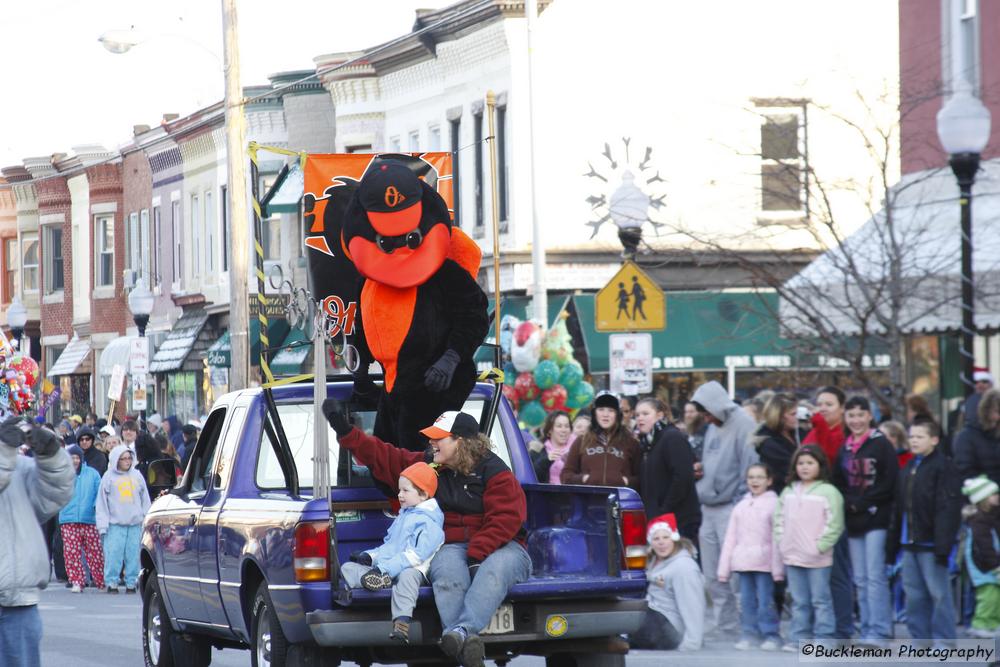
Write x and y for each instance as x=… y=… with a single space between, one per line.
x=269 y=647
x=585 y=660
x=161 y=645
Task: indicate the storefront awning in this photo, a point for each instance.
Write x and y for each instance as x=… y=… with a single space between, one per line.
x=219 y=353
x=178 y=343
x=115 y=354
x=293 y=354
x=72 y=355
x=286 y=193
x=705 y=331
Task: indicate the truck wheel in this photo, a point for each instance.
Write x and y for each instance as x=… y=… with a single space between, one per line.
x=269 y=648
x=161 y=646
x=585 y=660
x=156 y=630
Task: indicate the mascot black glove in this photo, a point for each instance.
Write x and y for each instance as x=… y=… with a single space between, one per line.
x=44 y=442
x=335 y=415
x=438 y=376
x=11 y=433
x=362 y=557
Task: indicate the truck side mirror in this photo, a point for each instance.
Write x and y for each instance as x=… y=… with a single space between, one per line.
x=161 y=474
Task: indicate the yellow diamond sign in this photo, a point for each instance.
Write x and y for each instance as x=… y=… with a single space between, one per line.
x=631 y=301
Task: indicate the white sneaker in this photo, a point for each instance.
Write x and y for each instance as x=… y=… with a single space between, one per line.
x=790 y=648
x=979 y=633
x=770 y=645
x=76 y=589
x=742 y=645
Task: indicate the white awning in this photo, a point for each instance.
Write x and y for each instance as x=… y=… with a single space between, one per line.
x=116 y=353
x=74 y=353
x=925 y=246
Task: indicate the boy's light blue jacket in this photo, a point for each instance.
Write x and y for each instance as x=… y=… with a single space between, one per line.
x=415 y=536
x=82 y=507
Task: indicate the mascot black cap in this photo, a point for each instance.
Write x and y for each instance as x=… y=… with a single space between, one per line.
x=390 y=195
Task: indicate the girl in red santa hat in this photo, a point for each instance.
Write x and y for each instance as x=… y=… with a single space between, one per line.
x=676 y=591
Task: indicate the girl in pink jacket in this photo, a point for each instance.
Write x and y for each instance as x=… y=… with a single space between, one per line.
x=807 y=524
x=748 y=550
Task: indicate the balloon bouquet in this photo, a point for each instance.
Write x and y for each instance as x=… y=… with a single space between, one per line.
x=542 y=375
x=18 y=374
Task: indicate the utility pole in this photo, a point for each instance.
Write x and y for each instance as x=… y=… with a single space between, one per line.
x=239 y=307
x=539 y=298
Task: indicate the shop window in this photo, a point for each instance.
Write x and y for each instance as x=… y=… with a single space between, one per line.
x=11 y=267
x=104 y=247
x=29 y=269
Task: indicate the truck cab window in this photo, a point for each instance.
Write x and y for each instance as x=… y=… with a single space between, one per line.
x=208 y=450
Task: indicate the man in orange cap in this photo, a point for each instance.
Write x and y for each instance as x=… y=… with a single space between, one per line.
x=405 y=555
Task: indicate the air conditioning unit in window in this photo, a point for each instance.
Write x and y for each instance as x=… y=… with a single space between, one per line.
x=128 y=278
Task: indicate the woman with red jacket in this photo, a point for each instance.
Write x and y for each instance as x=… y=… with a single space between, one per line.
x=484 y=513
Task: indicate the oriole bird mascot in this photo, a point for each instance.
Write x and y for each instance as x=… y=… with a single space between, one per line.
x=421 y=313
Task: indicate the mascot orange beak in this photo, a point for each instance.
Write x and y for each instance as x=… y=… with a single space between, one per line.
x=404 y=260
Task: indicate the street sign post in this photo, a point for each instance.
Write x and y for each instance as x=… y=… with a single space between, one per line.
x=139 y=356
x=631 y=301
x=631 y=363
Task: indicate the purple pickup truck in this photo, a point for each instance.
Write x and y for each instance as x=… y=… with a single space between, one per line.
x=239 y=554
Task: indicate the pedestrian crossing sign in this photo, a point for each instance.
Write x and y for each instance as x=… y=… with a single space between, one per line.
x=631 y=301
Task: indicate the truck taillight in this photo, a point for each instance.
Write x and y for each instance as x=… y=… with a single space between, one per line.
x=312 y=551
x=634 y=539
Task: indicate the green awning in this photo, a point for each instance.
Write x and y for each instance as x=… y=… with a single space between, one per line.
x=218 y=354
x=705 y=331
x=286 y=193
x=289 y=360
x=519 y=307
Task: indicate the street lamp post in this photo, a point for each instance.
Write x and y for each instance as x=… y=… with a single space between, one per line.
x=140 y=302
x=963 y=126
x=17 y=317
x=629 y=209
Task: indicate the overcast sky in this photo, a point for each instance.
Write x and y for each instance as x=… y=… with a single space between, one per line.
x=63 y=89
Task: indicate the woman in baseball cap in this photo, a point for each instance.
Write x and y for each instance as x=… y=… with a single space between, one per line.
x=484 y=513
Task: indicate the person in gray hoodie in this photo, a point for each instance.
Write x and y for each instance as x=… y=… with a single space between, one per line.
x=32 y=489
x=122 y=503
x=727 y=454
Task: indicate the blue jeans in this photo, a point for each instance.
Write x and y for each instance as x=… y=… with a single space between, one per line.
x=20 y=635
x=758 y=616
x=930 y=611
x=842 y=589
x=471 y=604
x=812 y=603
x=121 y=545
x=868 y=566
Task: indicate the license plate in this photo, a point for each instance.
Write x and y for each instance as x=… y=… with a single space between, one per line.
x=502 y=621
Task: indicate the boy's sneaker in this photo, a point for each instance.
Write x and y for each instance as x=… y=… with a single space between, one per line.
x=980 y=633
x=452 y=642
x=400 y=629
x=113 y=590
x=770 y=645
x=742 y=645
x=790 y=647
x=129 y=589
x=76 y=588
x=373 y=580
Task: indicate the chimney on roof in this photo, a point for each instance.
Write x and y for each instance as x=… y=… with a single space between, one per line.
x=139 y=129
x=169 y=118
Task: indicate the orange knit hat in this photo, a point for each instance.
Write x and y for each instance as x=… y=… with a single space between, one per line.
x=423 y=477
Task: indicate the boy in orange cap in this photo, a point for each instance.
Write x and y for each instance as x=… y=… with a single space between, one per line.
x=413 y=539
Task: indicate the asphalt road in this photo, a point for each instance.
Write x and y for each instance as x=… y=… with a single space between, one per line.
x=94 y=629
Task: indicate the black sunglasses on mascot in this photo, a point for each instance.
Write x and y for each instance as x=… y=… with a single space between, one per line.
x=388 y=244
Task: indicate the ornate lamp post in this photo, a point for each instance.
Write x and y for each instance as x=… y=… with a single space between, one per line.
x=963 y=126
x=140 y=303
x=17 y=317
x=629 y=209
